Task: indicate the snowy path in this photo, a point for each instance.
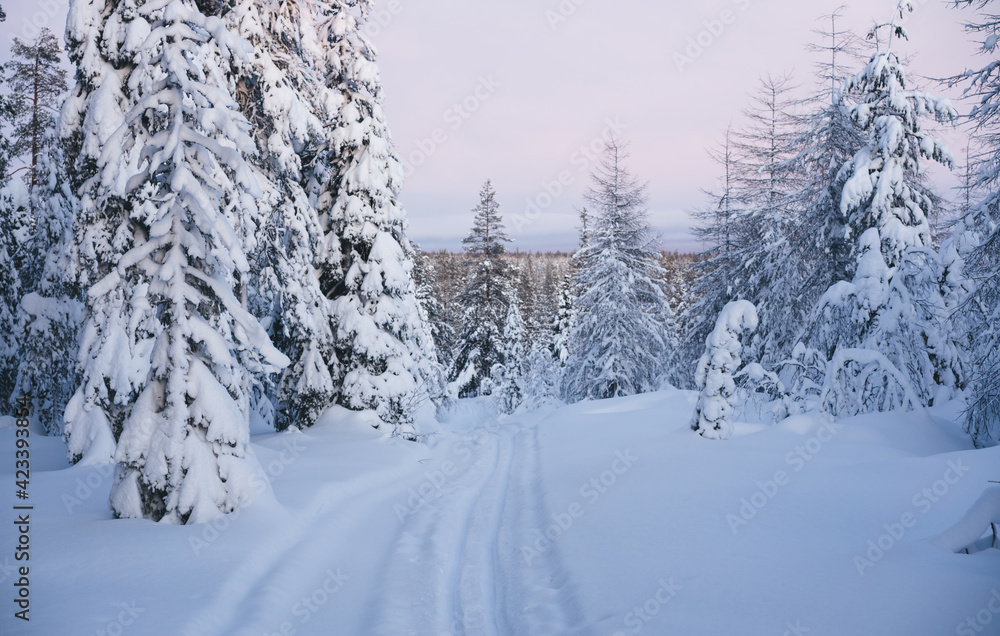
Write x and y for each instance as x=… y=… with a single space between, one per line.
x=278 y=573
x=537 y=595
x=455 y=567
x=471 y=534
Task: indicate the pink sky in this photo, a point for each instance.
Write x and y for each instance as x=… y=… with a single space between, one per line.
x=541 y=79
x=560 y=81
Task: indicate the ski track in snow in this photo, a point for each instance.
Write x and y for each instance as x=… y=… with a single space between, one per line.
x=456 y=568
x=270 y=580
x=537 y=595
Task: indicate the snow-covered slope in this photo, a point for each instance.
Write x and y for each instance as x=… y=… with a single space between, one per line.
x=600 y=518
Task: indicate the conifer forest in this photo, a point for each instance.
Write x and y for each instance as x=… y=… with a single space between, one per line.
x=239 y=396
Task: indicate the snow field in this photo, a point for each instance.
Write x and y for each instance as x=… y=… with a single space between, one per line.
x=602 y=518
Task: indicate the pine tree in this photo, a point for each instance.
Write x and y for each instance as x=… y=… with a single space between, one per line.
x=486 y=299
x=37 y=83
x=624 y=328
x=382 y=343
x=183 y=451
x=979 y=230
x=887 y=211
x=8 y=111
x=714 y=376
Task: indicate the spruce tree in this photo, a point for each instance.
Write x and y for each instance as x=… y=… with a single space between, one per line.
x=714 y=375
x=183 y=452
x=114 y=352
x=885 y=307
x=14 y=230
x=275 y=91
x=542 y=378
x=426 y=280
x=508 y=377
x=563 y=325
x=382 y=342
x=624 y=327
x=486 y=299
x=50 y=315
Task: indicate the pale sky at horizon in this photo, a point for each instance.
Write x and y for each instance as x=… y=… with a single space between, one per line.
x=547 y=88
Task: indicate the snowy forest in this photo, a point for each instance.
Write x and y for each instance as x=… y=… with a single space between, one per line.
x=205 y=260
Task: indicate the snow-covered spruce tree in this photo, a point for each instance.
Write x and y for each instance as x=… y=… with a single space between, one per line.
x=382 y=342
x=14 y=231
x=819 y=242
x=114 y=351
x=274 y=92
x=183 y=454
x=563 y=325
x=542 y=378
x=485 y=300
x=438 y=319
x=714 y=376
x=885 y=308
x=37 y=83
x=50 y=315
x=874 y=314
x=507 y=377
x=979 y=229
x=624 y=327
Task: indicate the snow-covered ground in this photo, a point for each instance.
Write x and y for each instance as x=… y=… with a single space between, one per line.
x=600 y=518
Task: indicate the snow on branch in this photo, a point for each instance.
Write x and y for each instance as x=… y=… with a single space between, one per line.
x=865 y=381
